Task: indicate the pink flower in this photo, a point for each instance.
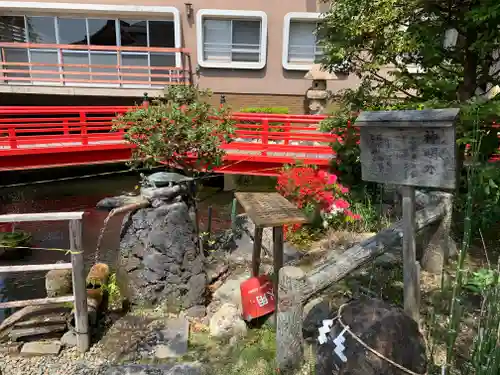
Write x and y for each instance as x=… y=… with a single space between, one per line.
x=332 y=178
x=322 y=174
x=343 y=189
x=356 y=217
x=341 y=203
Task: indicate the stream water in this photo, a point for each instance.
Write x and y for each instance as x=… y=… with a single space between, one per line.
x=78 y=195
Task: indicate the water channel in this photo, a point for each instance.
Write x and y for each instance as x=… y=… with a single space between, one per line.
x=79 y=195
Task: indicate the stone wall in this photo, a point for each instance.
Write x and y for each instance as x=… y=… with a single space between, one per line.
x=159 y=257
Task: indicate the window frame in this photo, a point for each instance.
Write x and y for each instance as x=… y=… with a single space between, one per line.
x=85 y=10
x=231 y=15
x=289 y=17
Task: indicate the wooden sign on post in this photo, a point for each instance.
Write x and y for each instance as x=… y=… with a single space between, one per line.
x=409 y=148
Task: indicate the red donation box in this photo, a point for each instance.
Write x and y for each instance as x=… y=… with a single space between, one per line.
x=257 y=297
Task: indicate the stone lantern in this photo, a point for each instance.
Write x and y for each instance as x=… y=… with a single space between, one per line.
x=317 y=95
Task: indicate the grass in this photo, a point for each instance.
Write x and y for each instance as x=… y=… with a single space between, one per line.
x=252 y=355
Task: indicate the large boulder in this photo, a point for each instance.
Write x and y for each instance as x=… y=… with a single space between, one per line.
x=384 y=328
x=160 y=260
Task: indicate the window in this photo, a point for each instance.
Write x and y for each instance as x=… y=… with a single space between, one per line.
x=301 y=48
x=231 y=39
x=90 y=64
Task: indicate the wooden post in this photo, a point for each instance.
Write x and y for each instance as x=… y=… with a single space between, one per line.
x=410 y=265
x=257 y=245
x=234 y=206
x=277 y=258
x=289 y=339
x=79 y=287
x=209 y=219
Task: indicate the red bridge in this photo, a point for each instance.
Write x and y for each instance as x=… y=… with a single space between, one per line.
x=46 y=137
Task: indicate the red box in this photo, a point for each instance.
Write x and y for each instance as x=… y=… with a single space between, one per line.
x=257 y=297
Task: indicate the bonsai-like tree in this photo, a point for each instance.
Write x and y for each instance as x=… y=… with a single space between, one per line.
x=181 y=130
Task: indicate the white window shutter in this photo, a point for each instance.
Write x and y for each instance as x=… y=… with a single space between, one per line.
x=217 y=40
x=246 y=40
x=302 y=42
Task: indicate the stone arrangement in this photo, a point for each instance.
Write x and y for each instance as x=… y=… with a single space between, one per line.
x=160 y=259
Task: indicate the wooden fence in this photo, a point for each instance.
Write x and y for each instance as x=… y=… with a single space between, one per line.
x=297 y=287
x=79 y=297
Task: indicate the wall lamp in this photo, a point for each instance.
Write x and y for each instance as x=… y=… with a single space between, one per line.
x=189 y=10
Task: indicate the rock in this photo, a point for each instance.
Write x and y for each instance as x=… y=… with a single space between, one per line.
x=227 y=322
x=124 y=336
x=160 y=261
x=198 y=311
x=156 y=262
x=315 y=311
x=10 y=348
x=230 y=289
x=37 y=348
x=58 y=283
x=386 y=329
x=48 y=319
x=197 y=286
x=248 y=228
x=19 y=333
x=192 y=368
x=173 y=339
x=69 y=339
x=34 y=314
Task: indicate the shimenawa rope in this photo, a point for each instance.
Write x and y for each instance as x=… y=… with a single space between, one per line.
x=367 y=347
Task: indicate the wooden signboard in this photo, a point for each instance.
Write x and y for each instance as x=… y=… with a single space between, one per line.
x=413 y=148
x=409 y=148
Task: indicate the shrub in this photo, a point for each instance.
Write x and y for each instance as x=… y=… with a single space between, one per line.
x=318 y=193
x=267 y=110
x=181 y=130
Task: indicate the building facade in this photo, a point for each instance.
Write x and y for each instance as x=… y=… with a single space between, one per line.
x=254 y=53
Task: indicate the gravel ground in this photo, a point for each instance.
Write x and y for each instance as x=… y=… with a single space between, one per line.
x=68 y=362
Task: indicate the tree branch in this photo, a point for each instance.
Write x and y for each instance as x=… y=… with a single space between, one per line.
x=386 y=81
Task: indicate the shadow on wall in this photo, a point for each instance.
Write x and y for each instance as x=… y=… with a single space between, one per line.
x=230 y=73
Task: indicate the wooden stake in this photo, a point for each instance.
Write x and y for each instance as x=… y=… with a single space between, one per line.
x=257 y=245
x=277 y=258
x=234 y=207
x=289 y=339
x=79 y=287
x=209 y=220
x=410 y=266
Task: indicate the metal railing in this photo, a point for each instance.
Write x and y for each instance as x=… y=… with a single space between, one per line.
x=79 y=297
x=18 y=65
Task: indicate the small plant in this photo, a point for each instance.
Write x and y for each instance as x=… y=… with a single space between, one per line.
x=480 y=281
x=113 y=291
x=485 y=358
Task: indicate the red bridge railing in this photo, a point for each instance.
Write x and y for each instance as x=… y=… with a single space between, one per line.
x=32 y=137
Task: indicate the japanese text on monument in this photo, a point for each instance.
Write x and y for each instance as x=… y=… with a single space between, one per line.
x=410 y=156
